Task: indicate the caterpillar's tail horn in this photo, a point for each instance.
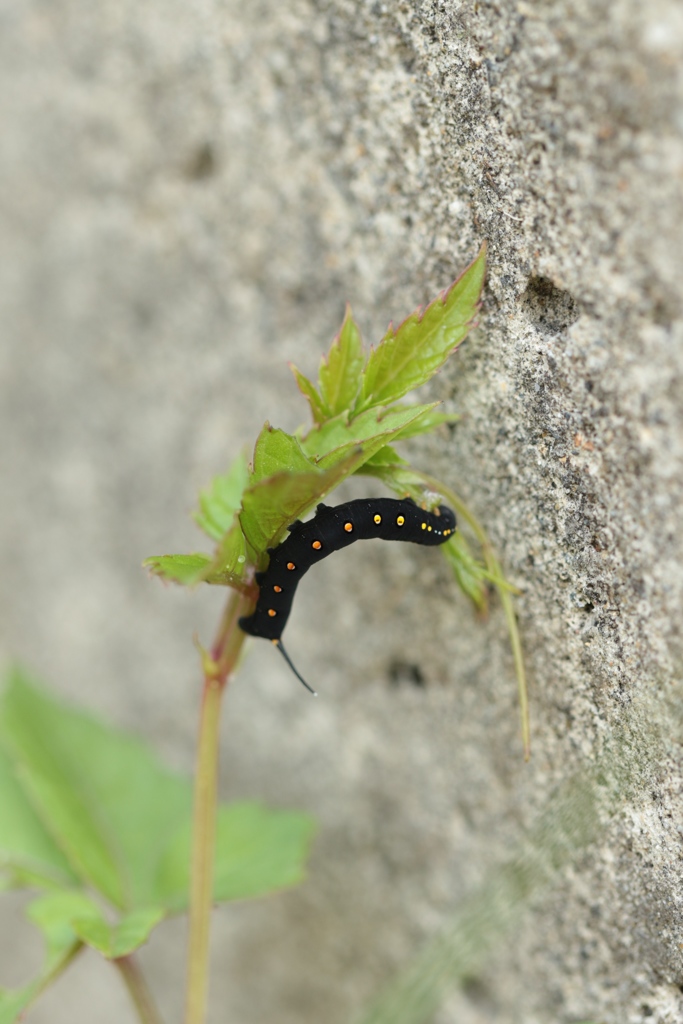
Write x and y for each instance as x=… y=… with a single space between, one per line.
x=283 y=652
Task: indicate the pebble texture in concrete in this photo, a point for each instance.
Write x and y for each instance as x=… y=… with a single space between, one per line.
x=190 y=192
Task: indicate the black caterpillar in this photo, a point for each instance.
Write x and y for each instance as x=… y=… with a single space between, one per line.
x=333 y=528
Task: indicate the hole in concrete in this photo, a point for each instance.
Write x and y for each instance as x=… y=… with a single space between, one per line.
x=202 y=163
x=552 y=310
x=405 y=672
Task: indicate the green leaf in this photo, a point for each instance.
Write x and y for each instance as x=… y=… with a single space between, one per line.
x=272 y=504
x=119 y=939
x=221 y=500
x=276 y=451
x=228 y=564
x=427 y=423
x=48 y=913
x=124 y=822
x=198 y=568
x=27 y=851
x=404 y=481
x=225 y=568
x=185 y=569
x=386 y=456
x=372 y=430
x=106 y=801
x=412 y=354
x=257 y=852
x=14 y=1001
x=260 y=850
x=341 y=372
x=469 y=572
x=308 y=389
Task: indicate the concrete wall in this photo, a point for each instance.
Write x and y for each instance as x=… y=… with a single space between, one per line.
x=190 y=192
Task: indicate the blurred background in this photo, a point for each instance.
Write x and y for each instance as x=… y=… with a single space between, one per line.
x=190 y=192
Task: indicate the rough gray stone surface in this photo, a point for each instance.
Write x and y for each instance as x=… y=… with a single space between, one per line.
x=190 y=192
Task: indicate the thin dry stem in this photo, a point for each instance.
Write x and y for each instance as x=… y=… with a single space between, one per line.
x=495 y=569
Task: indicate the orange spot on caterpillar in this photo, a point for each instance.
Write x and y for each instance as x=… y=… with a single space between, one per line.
x=348 y=527
x=317 y=545
x=400 y=521
x=272 y=613
x=278 y=590
x=290 y=565
x=378 y=518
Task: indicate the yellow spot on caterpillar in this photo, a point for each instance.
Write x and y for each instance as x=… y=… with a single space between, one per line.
x=424 y=526
x=348 y=527
x=278 y=590
x=429 y=528
x=290 y=565
x=400 y=521
x=317 y=545
x=378 y=518
x=272 y=613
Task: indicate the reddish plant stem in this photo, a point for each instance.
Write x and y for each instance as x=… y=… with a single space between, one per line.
x=137 y=988
x=218 y=666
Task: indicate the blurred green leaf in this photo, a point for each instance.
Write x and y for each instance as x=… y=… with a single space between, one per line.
x=220 y=501
x=257 y=851
x=48 y=914
x=28 y=852
x=131 y=840
x=105 y=799
x=341 y=370
x=13 y=1001
x=91 y=805
x=121 y=938
x=410 y=355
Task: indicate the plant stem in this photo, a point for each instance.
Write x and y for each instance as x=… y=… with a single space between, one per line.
x=218 y=666
x=137 y=988
x=493 y=566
